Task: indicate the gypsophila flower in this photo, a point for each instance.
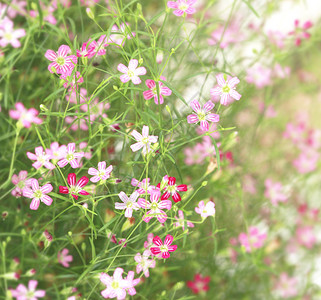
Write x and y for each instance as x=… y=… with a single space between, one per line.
x=30 y=293
x=144 y=185
x=182 y=7
x=56 y=152
x=169 y=188
x=63 y=257
x=102 y=173
x=129 y=204
x=253 y=240
x=163 y=249
x=202 y=114
x=205 y=210
x=181 y=221
x=152 y=92
x=131 y=282
x=25 y=116
x=144 y=263
x=38 y=194
x=132 y=72
x=199 y=284
x=75 y=189
x=70 y=157
x=41 y=158
x=8 y=35
x=20 y=181
x=144 y=140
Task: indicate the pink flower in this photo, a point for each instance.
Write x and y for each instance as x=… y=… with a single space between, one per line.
x=131 y=283
x=226 y=88
x=306 y=162
x=129 y=204
x=20 y=181
x=300 y=33
x=132 y=72
x=72 y=97
x=149 y=241
x=202 y=114
x=56 y=152
x=181 y=221
x=70 y=157
x=152 y=92
x=144 y=263
x=205 y=210
x=77 y=123
x=61 y=61
x=295 y=132
x=226 y=35
x=286 y=286
x=16 y=7
x=194 y=155
x=165 y=248
x=116 y=285
x=305 y=236
x=102 y=173
x=144 y=140
x=155 y=207
x=144 y=186
x=182 y=6
x=97 y=109
x=277 y=38
x=63 y=258
x=10 y=36
x=274 y=192
x=86 y=50
x=98 y=47
x=169 y=188
x=75 y=189
x=254 y=239
x=213 y=129
x=41 y=158
x=22 y=293
x=72 y=81
x=281 y=72
x=118 y=35
x=47 y=12
x=25 y=116
x=200 y=284
x=259 y=76
x=37 y=194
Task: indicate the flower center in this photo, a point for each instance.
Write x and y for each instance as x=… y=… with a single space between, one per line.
x=74 y=189
x=145 y=140
x=154 y=206
x=183 y=6
x=21 y=184
x=130 y=73
x=171 y=188
x=226 y=89
x=42 y=158
x=8 y=36
x=201 y=116
x=101 y=173
x=60 y=61
x=115 y=285
x=163 y=248
x=129 y=204
x=154 y=90
x=37 y=194
x=70 y=157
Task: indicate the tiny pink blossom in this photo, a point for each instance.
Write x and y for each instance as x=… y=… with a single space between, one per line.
x=20 y=181
x=86 y=50
x=119 y=35
x=25 y=116
x=132 y=72
x=47 y=12
x=144 y=263
x=277 y=38
x=205 y=210
x=155 y=207
x=8 y=35
x=254 y=239
x=131 y=283
x=97 y=109
x=75 y=188
x=163 y=249
x=286 y=286
x=149 y=241
x=301 y=33
x=169 y=188
x=200 y=284
x=102 y=173
x=77 y=123
x=70 y=157
x=181 y=221
x=144 y=185
x=226 y=88
x=41 y=158
x=259 y=76
x=152 y=92
x=202 y=114
x=72 y=81
x=305 y=236
x=63 y=258
x=225 y=36
x=30 y=293
x=194 y=155
x=116 y=285
x=73 y=96
x=56 y=152
x=38 y=194
x=144 y=140
x=62 y=62
x=182 y=7
x=129 y=204
x=295 y=132
x=306 y=162
x=274 y=192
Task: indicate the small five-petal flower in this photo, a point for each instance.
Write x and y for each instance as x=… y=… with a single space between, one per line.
x=144 y=140
x=163 y=249
x=75 y=189
x=102 y=173
x=129 y=204
x=131 y=72
x=38 y=194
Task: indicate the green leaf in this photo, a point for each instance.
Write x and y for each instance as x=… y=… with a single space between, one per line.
x=251 y=8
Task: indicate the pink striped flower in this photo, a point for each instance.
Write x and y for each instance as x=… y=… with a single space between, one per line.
x=155 y=207
x=75 y=189
x=202 y=114
x=144 y=186
x=168 y=185
x=182 y=6
x=20 y=181
x=129 y=204
x=71 y=157
x=56 y=152
x=226 y=89
x=38 y=194
x=102 y=173
x=205 y=210
x=165 y=248
x=118 y=35
x=116 y=285
x=30 y=293
x=25 y=116
x=144 y=263
x=86 y=50
x=181 y=221
x=63 y=257
x=253 y=240
x=132 y=72
x=152 y=92
x=62 y=62
x=41 y=158
x=144 y=140
x=131 y=283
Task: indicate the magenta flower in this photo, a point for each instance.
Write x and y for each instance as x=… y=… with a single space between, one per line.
x=200 y=284
x=202 y=114
x=116 y=285
x=132 y=72
x=254 y=239
x=144 y=186
x=274 y=192
x=171 y=189
x=61 y=61
x=41 y=158
x=72 y=81
x=86 y=50
x=226 y=89
x=38 y=194
x=131 y=283
x=155 y=207
x=20 y=181
x=182 y=6
x=181 y=221
x=286 y=286
x=165 y=248
x=102 y=173
x=300 y=33
x=144 y=263
x=25 y=116
x=63 y=257
x=144 y=140
x=71 y=157
x=129 y=204
x=75 y=188
x=10 y=36
x=152 y=92
x=56 y=152
x=205 y=210
x=30 y=293
x=98 y=47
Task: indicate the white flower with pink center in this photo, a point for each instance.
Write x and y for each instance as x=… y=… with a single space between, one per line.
x=30 y=293
x=116 y=285
x=131 y=72
x=205 y=210
x=102 y=173
x=129 y=204
x=144 y=263
x=41 y=158
x=71 y=157
x=38 y=194
x=144 y=140
x=8 y=35
x=182 y=7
